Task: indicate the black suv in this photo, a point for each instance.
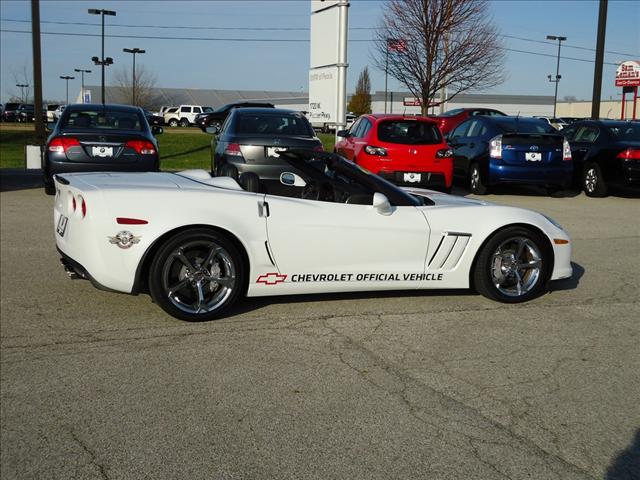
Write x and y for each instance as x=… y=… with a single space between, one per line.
x=218 y=116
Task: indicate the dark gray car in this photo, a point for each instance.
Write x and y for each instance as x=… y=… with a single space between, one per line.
x=251 y=140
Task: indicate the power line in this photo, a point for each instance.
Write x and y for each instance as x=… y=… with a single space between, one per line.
x=272 y=40
x=285 y=29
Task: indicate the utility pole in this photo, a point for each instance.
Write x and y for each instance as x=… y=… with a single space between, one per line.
x=82 y=72
x=67 y=78
x=103 y=61
x=37 y=71
x=597 y=71
x=558 y=76
x=343 y=31
x=133 y=84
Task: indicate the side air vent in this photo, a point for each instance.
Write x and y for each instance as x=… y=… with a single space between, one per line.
x=449 y=251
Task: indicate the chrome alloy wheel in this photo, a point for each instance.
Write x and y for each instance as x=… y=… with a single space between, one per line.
x=591 y=180
x=475 y=178
x=198 y=276
x=515 y=266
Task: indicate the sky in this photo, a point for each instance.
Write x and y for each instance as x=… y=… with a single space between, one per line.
x=228 y=61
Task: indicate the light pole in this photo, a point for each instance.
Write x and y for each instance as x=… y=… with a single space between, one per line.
x=103 y=61
x=133 y=84
x=558 y=76
x=22 y=86
x=82 y=72
x=67 y=78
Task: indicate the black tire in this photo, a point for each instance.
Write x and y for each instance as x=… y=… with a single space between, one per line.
x=250 y=182
x=189 y=264
x=173 y=122
x=477 y=184
x=593 y=182
x=184 y=122
x=511 y=257
x=49 y=188
x=227 y=170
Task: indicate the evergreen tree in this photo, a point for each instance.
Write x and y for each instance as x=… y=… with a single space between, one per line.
x=361 y=101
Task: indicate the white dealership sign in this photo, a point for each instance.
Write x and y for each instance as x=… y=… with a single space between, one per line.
x=328 y=57
x=323 y=95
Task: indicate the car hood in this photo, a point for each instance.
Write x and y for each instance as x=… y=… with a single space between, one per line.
x=444 y=200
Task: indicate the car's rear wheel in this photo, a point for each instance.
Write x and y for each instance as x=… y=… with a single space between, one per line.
x=593 y=182
x=513 y=266
x=184 y=122
x=197 y=275
x=477 y=184
x=49 y=188
x=173 y=122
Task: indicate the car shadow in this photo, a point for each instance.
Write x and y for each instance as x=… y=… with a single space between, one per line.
x=626 y=466
x=568 y=283
x=186 y=152
x=12 y=179
x=250 y=304
x=529 y=190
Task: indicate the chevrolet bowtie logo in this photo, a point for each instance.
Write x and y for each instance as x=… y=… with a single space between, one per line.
x=271 y=278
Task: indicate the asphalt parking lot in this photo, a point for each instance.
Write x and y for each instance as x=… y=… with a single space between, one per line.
x=402 y=385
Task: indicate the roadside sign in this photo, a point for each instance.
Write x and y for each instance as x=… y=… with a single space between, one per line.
x=411 y=102
x=323 y=94
x=628 y=74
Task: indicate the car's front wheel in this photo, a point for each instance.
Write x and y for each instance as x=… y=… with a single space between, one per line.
x=592 y=181
x=197 y=275
x=513 y=266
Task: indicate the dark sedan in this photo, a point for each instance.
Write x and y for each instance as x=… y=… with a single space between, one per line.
x=248 y=147
x=606 y=153
x=217 y=117
x=153 y=119
x=489 y=151
x=26 y=113
x=10 y=113
x=90 y=138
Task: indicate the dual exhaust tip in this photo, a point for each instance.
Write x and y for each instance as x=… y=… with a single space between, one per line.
x=71 y=272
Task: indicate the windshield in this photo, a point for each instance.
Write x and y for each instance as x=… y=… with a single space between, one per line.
x=207 y=109
x=409 y=132
x=273 y=124
x=103 y=119
x=522 y=125
x=451 y=113
x=625 y=132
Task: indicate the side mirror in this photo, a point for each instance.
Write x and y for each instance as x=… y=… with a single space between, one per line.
x=343 y=133
x=292 y=180
x=213 y=129
x=156 y=130
x=381 y=204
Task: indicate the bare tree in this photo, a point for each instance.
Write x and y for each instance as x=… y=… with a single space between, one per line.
x=361 y=101
x=21 y=77
x=144 y=84
x=430 y=45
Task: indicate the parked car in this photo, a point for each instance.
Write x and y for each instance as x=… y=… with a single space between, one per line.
x=163 y=110
x=606 y=153
x=250 y=142
x=90 y=138
x=49 y=110
x=153 y=119
x=451 y=119
x=217 y=117
x=10 y=112
x=199 y=244
x=403 y=150
x=184 y=115
x=557 y=123
x=496 y=150
x=26 y=113
x=58 y=112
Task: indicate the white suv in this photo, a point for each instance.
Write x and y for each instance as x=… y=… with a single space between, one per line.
x=184 y=115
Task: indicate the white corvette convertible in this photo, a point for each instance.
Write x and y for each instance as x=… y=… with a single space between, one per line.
x=197 y=244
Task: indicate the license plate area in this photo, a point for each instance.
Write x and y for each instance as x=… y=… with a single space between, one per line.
x=102 y=151
x=533 y=156
x=412 y=177
x=275 y=151
x=61 y=228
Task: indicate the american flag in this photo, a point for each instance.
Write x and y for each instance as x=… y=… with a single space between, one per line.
x=396 y=45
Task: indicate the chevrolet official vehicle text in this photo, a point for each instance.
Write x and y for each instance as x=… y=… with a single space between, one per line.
x=198 y=243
